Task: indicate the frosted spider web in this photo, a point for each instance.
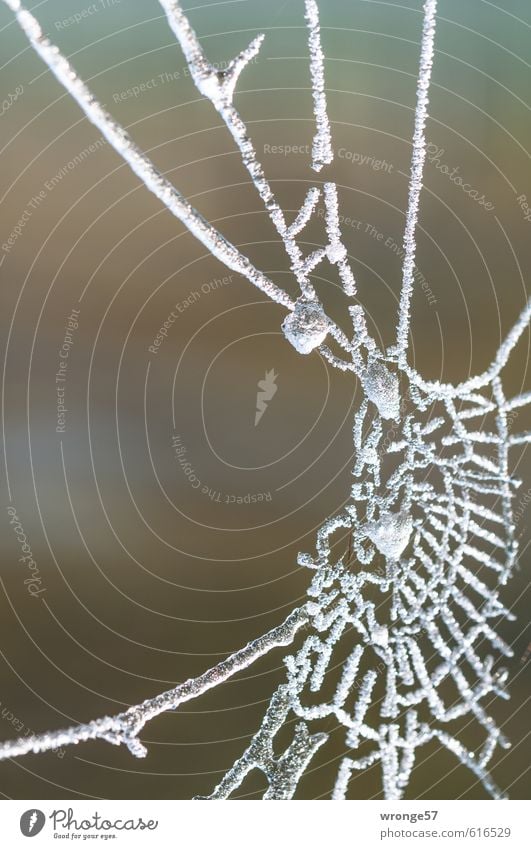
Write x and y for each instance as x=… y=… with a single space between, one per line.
x=430 y=521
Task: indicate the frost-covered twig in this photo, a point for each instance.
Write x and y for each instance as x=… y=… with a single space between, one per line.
x=120 y=140
x=218 y=87
x=125 y=727
x=415 y=182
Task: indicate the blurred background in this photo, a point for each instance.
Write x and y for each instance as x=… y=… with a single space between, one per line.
x=165 y=522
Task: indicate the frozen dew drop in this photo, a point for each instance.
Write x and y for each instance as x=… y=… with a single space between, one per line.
x=381 y=387
x=369 y=455
x=336 y=253
x=391 y=533
x=306 y=327
x=380 y=635
x=501 y=676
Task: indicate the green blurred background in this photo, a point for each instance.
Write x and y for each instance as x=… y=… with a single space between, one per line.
x=147 y=577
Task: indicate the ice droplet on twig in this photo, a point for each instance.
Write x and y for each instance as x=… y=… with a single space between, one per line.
x=381 y=387
x=391 y=533
x=336 y=253
x=380 y=635
x=306 y=327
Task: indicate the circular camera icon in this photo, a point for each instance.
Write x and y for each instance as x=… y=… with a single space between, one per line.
x=32 y=822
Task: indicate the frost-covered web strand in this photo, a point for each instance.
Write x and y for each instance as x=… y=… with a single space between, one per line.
x=306 y=211
x=322 y=153
x=284 y=771
x=479 y=381
x=336 y=251
x=125 y=727
x=417 y=168
x=120 y=140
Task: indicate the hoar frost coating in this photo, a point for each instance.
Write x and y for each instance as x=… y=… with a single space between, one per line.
x=434 y=535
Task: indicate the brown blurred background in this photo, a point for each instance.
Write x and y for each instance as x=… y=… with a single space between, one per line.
x=147 y=576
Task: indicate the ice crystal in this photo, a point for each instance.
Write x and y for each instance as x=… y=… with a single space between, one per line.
x=391 y=533
x=381 y=387
x=430 y=518
x=306 y=327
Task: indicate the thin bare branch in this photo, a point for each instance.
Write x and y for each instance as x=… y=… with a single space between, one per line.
x=142 y=166
x=125 y=727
